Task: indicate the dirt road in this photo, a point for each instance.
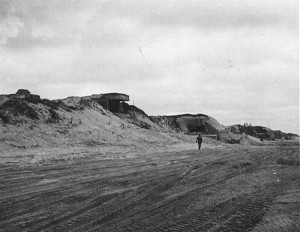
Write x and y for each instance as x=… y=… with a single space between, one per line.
x=232 y=188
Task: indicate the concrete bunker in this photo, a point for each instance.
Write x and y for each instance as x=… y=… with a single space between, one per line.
x=114 y=102
x=192 y=124
x=25 y=94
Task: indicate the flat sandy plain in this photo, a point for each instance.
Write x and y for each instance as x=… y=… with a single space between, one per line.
x=221 y=188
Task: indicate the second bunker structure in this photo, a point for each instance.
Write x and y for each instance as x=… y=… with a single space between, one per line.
x=113 y=101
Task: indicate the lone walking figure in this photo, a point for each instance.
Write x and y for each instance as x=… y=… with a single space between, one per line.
x=199 y=141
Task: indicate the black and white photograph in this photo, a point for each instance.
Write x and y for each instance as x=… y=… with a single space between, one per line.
x=149 y=116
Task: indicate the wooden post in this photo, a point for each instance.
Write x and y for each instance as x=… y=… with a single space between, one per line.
x=166 y=123
x=133 y=109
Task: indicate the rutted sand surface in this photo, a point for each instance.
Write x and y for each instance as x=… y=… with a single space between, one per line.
x=172 y=188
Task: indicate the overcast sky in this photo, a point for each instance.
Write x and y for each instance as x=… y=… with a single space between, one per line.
x=235 y=60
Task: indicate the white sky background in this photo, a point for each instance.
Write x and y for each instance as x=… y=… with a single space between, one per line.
x=235 y=60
